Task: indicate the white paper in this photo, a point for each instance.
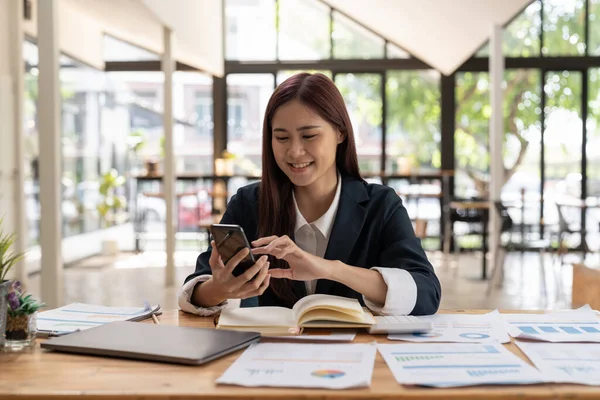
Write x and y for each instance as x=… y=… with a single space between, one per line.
x=78 y=316
x=581 y=325
x=460 y=328
x=332 y=337
x=329 y=366
x=456 y=364
x=565 y=362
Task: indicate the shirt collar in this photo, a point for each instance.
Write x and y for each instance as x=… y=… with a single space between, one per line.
x=325 y=223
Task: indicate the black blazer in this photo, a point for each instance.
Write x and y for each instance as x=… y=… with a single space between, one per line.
x=371 y=229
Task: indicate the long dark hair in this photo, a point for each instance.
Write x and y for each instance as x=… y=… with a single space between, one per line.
x=276 y=206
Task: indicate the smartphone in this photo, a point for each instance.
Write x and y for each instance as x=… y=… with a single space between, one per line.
x=229 y=240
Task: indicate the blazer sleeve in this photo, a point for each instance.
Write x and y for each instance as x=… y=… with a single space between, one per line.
x=402 y=249
x=233 y=215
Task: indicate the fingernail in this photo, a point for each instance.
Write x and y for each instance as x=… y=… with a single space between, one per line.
x=268 y=263
x=264 y=258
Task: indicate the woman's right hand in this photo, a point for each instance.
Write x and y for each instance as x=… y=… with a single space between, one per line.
x=238 y=287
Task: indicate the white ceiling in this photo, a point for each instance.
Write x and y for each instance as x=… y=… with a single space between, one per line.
x=442 y=33
x=196 y=25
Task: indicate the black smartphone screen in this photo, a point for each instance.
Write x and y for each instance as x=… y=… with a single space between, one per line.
x=229 y=240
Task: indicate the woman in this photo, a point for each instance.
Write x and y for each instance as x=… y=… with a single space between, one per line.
x=314 y=224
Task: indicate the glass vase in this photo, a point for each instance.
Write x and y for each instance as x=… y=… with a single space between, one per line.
x=20 y=331
x=4 y=285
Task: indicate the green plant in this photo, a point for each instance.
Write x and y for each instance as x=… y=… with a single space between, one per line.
x=8 y=258
x=136 y=141
x=111 y=203
x=20 y=303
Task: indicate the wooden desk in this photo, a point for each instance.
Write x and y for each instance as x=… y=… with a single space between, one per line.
x=42 y=374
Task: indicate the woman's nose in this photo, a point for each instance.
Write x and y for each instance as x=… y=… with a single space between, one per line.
x=296 y=148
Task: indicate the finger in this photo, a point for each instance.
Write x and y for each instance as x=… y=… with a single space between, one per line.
x=214 y=255
x=256 y=283
x=280 y=273
x=235 y=260
x=260 y=290
x=250 y=272
x=268 y=248
x=264 y=241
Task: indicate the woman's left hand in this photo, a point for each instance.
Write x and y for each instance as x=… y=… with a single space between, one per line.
x=303 y=266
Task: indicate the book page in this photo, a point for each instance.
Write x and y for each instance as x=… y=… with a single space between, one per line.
x=257 y=316
x=344 y=308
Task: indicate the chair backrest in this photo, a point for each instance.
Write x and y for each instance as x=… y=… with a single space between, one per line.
x=563 y=225
x=507 y=221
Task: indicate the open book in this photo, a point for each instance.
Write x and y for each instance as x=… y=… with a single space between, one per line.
x=314 y=311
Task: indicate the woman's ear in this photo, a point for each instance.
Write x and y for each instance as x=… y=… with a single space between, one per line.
x=340 y=136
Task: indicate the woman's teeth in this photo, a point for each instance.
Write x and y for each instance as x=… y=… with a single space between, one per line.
x=303 y=165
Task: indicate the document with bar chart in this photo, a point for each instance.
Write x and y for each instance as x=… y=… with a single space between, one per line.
x=460 y=328
x=327 y=366
x=565 y=362
x=567 y=326
x=456 y=364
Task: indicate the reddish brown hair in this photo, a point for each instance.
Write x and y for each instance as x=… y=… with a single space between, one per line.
x=276 y=206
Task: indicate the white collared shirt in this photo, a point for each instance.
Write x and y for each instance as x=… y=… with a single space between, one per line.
x=313 y=238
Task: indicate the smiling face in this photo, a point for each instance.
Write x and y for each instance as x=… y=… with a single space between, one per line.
x=304 y=144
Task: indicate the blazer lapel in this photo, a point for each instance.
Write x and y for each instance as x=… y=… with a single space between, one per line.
x=347 y=225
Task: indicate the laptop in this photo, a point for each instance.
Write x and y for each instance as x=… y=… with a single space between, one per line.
x=151 y=342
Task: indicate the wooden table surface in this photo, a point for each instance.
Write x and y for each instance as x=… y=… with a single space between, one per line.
x=42 y=374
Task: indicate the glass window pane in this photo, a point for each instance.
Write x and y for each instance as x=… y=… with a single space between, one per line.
x=471 y=136
x=563 y=133
x=522 y=146
x=594 y=27
x=86 y=154
x=118 y=50
x=303 y=30
x=193 y=109
x=564 y=27
x=413 y=122
x=521 y=38
x=394 y=51
x=31 y=144
x=283 y=75
x=362 y=94
x=593 y=146
x=250 y=29
x=141 y=93
x=353 y=41
x=247 y=98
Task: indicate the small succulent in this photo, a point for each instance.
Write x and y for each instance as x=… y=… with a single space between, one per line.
x=20 y=303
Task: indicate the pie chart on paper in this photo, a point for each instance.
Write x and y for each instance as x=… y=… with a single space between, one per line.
x=328 y=373
x=428 y=334
x=474 y=335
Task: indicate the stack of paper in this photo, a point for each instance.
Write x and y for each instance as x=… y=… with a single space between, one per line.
x=565 y=362
x=77 y=317
x=448 y=365
x=329 y=366
x=460 y=328
x=581 y=325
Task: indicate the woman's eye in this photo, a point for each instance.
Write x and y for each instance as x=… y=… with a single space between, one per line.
x=309 y=136
x=281 y=139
